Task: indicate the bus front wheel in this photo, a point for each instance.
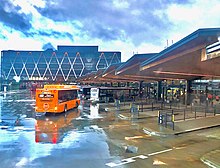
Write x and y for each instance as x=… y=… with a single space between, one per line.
x=65 y=108
x=77 y=104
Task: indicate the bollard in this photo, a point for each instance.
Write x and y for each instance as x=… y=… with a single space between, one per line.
x=161 y=119
x=158 y=115
x=152 y=106
x=173 y=118
x=184 y=114
x=214 y=110
x=166 y=120
x=195 y=113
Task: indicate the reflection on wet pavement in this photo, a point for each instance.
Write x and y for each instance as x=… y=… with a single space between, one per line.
x=52 y=128
x=30 y=141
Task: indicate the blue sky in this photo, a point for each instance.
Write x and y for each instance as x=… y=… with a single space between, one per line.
x=129 y=26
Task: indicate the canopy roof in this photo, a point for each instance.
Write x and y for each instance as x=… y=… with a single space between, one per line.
x=186 y=59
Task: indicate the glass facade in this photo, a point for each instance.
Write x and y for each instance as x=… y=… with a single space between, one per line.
x=65 y=64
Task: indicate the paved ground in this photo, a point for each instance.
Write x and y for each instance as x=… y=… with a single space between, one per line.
x=180 y=127
x=149 y=121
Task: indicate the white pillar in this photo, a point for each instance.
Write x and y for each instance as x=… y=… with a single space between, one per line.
x=1 y=104
x=5 y=88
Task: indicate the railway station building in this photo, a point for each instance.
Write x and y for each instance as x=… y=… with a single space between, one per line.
x=67 y=63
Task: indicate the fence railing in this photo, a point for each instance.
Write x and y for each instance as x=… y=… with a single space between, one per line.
x=181 y=112
x=193 y=112
x=166 y=118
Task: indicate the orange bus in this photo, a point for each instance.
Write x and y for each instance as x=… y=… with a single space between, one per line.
x=56 y=98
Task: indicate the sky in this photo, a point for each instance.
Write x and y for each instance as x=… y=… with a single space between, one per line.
x=128 y=26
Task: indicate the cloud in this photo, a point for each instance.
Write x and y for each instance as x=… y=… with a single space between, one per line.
x=22 y=17
x=2 y=36
x=188 y=18
x=11 y=17
x=134 y=20
x=53 y=34
x=128 y=26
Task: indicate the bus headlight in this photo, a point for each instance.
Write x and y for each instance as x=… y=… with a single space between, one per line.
x=55 y=108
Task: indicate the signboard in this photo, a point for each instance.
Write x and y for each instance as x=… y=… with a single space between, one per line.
x=46 y=95
x=212 y=51
x=94 y=94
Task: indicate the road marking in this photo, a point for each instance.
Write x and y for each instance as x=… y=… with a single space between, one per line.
x=136 y=137
x=122 y=117
x=22 y=162
x=117 y=126
x=158 y=162
x=130 y=160
x=126 y=161
x=155 y=153
x=181 y=147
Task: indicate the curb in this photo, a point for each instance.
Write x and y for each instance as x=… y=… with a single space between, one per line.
x=138 y=117
x=208 y=162
x=155 y=133
x=196 y=129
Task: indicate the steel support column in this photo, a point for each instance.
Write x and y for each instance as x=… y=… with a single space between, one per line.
x=188 y=92
x=159 y=90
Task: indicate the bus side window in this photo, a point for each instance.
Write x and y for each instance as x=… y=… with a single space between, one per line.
x=69 y=96
x=74 y=94
x=66 y=96
x=61 y=97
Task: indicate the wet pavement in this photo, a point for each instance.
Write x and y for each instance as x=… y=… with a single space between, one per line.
x=65 y=139
x=211 y=159
x=100 y=135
